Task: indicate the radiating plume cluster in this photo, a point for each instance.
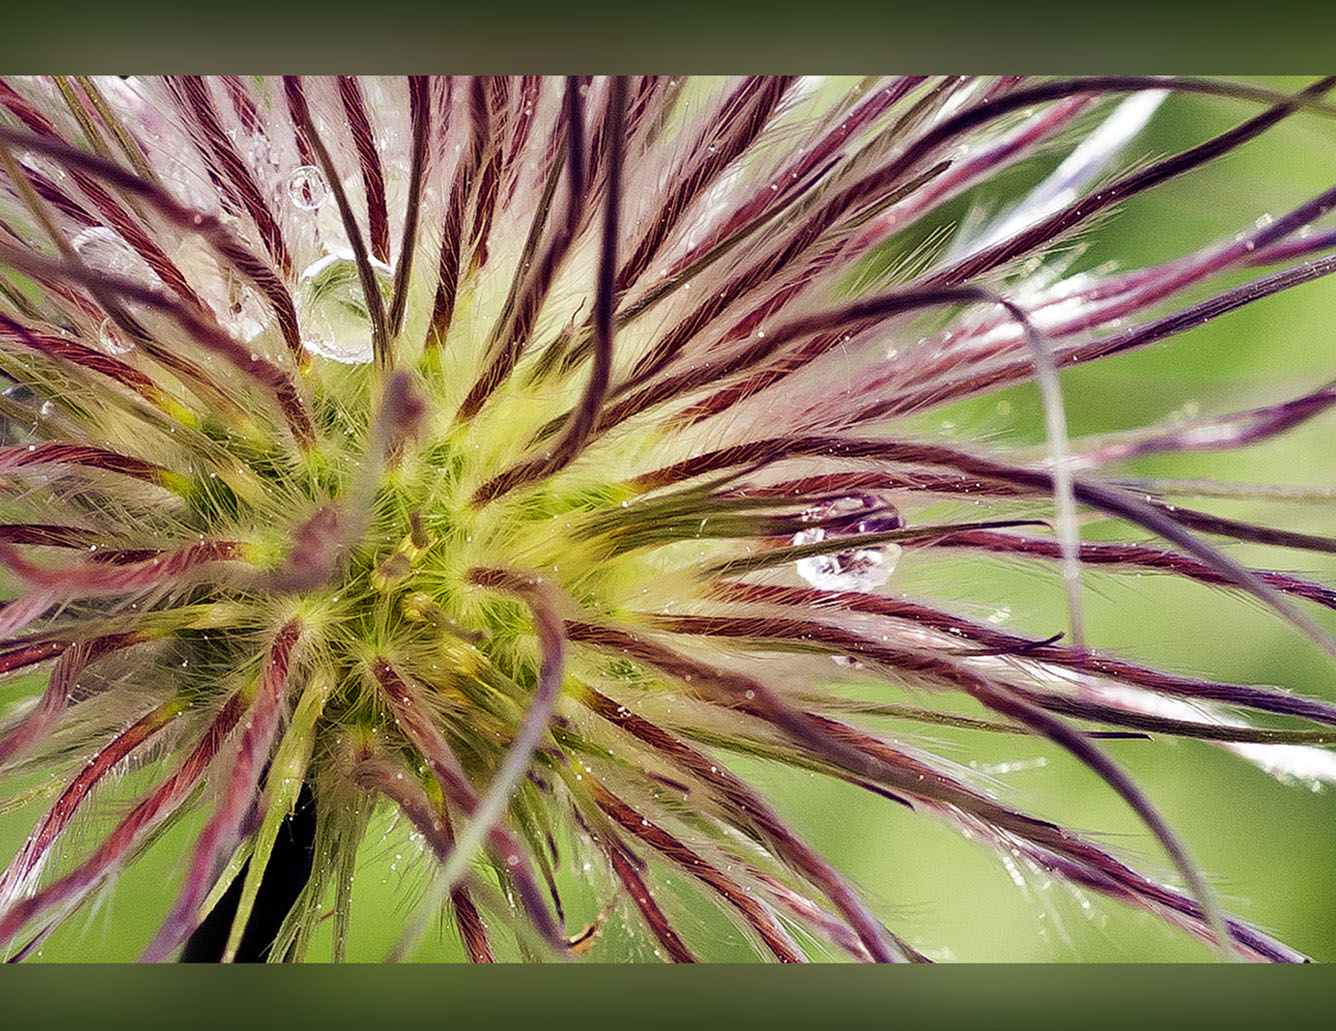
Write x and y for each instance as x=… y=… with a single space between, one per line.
x=533 y=457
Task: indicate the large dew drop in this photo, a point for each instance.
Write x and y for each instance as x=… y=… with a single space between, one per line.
x=332 y=308
x=105 y=250
x=111 y=340
x=307 y=188
x=855 y=569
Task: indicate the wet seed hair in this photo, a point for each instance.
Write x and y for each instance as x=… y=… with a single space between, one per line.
x=532 y=457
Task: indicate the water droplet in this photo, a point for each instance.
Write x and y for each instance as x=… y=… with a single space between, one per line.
x=105 y=250
x=856 y=569
x=332 y=307
x=307 y=187
x=109 y=336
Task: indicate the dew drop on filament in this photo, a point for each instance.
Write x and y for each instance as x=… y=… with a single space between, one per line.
x=109 y=336
x=855 y=569
x=307 y=188
x=332 y=308
x=105 y=250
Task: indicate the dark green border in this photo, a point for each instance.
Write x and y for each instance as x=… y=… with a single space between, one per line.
x=1184 y=36
x=736 y=998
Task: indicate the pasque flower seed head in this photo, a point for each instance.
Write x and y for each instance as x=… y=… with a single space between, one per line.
x=516 y=455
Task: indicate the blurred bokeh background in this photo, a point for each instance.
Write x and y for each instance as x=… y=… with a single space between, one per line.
x=1269 y=847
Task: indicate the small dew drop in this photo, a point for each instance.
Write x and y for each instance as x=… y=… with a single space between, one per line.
x=109 y=336
x=307 y=188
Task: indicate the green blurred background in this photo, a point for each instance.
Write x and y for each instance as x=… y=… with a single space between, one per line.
x=1267 y=846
